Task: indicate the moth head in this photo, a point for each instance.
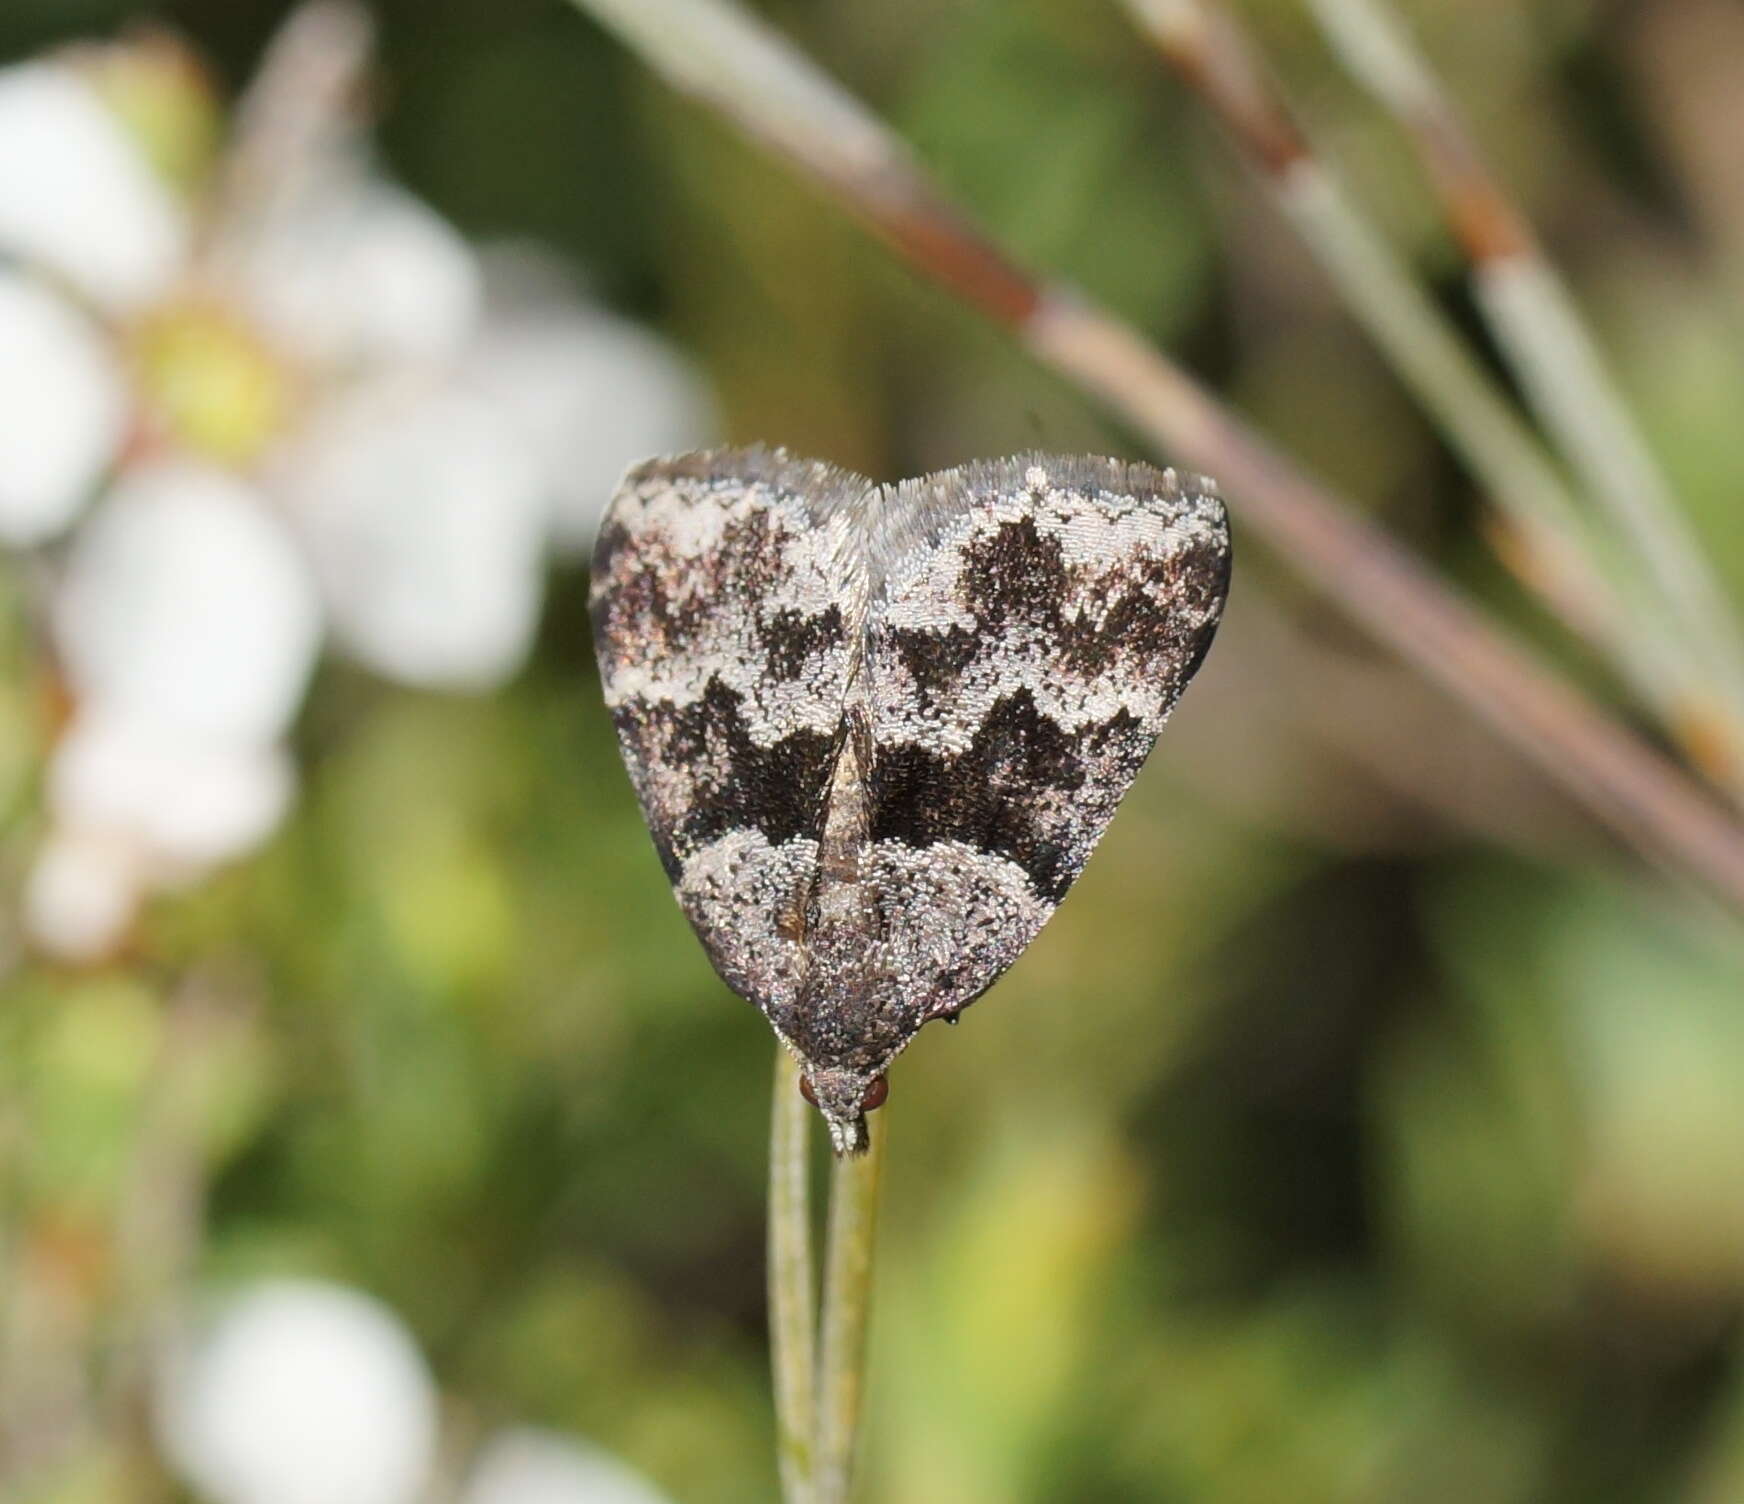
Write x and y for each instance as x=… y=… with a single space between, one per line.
x=844 y=1097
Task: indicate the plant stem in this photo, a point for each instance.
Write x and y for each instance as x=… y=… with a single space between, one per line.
x=847 y=1307
x=728 y=58
x=1594 y=584
x=792 y=1284
x=1545 y=341
x=300 y=113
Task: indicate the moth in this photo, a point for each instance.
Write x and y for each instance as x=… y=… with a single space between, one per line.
x=877 y=729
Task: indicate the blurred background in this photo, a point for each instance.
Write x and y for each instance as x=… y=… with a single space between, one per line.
x=1366 y=1126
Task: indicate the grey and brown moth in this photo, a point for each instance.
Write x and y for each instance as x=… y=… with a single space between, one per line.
x=877 y=729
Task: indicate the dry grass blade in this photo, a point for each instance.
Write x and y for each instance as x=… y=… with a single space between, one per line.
x=1546 y=342
x=1548 y=542
x=299 y=112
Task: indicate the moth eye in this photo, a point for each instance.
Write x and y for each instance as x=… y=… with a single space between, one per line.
x=875 y=1094
x=806 y=1091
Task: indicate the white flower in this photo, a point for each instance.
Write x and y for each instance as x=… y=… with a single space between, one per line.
x=75 y=193
x=541 y=1467
x=300 y=1393
x=426 y=522
x=314 y=412
x=82 y=891
x=62 y=409
x=186 y=625
x=589 y=394
x=185 y=602
x=356 y=270
x=184 y=802
x=139 y=810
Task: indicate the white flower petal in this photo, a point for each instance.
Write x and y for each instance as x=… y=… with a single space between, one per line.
x=425 y=522
x=76 y=195
x=358 y=271
x=81 y=894
x=525 y=1466
x=185 y=802
x=302 y=1393
x=63 y=407
x=590 y=394
x=186 y=605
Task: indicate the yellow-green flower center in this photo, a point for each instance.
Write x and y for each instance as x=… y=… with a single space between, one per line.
x=210 y=381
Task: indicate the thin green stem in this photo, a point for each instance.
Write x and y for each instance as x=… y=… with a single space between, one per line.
x=847 y=1307
x=792 y=1284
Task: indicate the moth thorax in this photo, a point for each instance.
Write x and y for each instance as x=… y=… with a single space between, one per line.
x=845 y=975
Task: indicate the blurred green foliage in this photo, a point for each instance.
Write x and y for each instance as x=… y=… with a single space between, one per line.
x=1362 y=1129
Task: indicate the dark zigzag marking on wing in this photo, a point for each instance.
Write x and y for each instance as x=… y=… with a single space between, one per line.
x=987 y=795
x=1016 y=576
x=735 y=783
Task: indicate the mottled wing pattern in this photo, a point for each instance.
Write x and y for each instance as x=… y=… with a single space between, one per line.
x=728 y=592
x=1032 y=623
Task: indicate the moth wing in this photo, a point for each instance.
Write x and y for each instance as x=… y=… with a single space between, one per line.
x=726 y=603
x=1032 y=623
